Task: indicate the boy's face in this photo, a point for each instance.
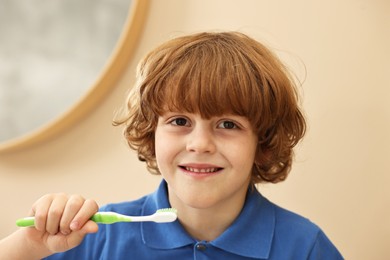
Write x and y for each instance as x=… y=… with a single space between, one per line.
x=207 y=163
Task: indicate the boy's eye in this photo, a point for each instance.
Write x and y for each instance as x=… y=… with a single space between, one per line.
x=227 y=125
x=180 y=121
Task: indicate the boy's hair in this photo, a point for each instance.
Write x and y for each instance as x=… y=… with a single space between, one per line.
x=213 y=74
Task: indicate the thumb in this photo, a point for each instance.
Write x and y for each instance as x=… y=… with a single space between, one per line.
x=76 y=237
x=90 y=227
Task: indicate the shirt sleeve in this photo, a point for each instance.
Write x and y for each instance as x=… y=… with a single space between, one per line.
x=323 y=249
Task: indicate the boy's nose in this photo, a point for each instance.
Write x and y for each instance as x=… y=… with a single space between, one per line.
x=201 y=140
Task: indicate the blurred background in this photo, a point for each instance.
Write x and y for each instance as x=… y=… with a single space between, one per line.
x=51 y=52
x=338 y=49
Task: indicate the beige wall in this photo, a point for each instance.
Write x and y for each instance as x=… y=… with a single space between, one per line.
x=341 y=177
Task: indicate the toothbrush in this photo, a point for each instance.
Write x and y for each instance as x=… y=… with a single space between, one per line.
x=160 y=216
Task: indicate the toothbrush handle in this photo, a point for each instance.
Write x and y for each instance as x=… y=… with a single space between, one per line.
x=26 y=222
x=30 y=221
x=98 y=218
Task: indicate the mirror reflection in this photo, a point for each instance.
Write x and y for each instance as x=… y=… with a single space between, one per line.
x=51 y=52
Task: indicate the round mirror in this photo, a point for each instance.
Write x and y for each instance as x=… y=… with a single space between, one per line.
x=57 y=60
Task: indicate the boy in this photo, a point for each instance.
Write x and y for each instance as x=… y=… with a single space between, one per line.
x=214 y=114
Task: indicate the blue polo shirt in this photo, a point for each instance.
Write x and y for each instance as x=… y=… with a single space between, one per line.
x=261 y=231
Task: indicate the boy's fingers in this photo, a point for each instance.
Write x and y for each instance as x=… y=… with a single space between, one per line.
x=40 y=211
x=55 y=213
x=89 y=208
x=73 y=205
x=68 y=214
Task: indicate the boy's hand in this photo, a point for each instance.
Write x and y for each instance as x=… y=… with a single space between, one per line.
x=61 y=222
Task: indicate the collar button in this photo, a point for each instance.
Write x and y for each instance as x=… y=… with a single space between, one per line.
x=200 y=247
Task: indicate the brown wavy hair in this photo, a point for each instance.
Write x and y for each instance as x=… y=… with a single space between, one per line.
x=214 y=73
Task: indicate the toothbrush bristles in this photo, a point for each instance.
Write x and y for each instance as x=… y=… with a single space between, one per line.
x=173 y=210
x=165 y=215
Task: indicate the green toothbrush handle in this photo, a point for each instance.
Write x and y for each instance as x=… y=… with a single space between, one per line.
x=26 y=222
x=98 y=218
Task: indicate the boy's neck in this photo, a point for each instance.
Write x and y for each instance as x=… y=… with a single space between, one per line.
x=208 y=224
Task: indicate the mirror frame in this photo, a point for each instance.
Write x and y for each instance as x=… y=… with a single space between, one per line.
x=107 y=78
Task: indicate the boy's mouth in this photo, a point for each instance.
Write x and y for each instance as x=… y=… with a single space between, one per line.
x=201 y=170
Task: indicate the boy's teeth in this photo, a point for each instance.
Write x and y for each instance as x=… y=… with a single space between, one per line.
x=207 y=170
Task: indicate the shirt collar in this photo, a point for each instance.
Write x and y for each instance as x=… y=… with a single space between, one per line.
x=250 y=234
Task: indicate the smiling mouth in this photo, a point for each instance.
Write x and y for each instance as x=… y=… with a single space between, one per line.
x=201 y=170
